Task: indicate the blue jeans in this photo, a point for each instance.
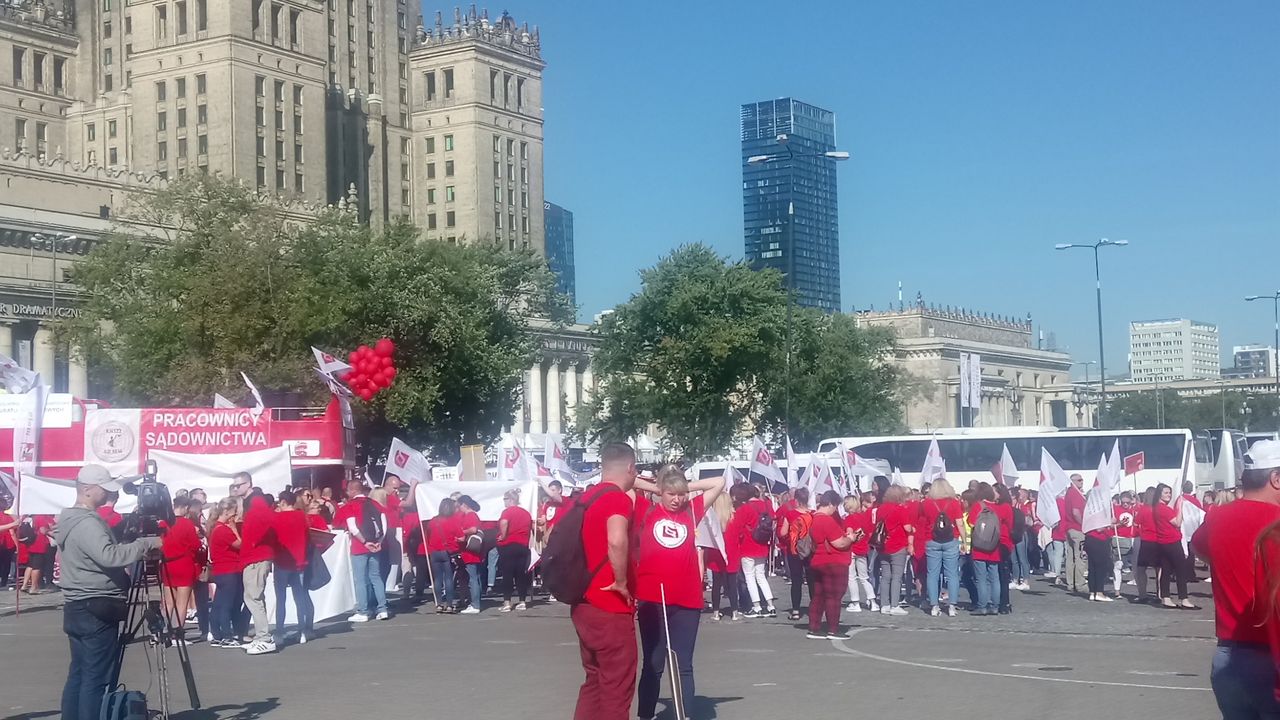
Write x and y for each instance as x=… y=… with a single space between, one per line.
x=473 y=577
x=683 y=625
x=442 y=577
x=284 y=581
x=227 y=605
x=1054 y=551
x=94 y=647
x=1243 y=680
x=1021 y=565
x=942 y=558
x=986 y=575
x=366 y=571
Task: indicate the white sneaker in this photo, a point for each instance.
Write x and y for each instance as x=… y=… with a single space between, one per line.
x=875 y=607
x=521 y=606
x=302 y=638
x=1024 y=586
x=383 y=615
x=936 y=611
x=260 y=647
x=897 y=611
x=1013 y=586
x=951 y=611
x=469 y=610
x=506 y=607
x=1051 y=575
x=886 y=611
x=1130 y=582
x=358 y=617
x=854 y=607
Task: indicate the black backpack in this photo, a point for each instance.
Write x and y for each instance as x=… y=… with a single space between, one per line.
x=26 y=533
x=943 y=529
x=564 y=560
x=986 y=531
x=370 y=523
x=122 y=704
x=1019 y=524
x=763 y=531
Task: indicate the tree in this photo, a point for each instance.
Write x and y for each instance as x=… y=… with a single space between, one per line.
x=842 y=381
x=1158 y=408
x=239 y=284
x=688 y=353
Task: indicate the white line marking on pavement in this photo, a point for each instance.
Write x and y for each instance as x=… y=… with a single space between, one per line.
x=756 y=651
x=942 y=660
x=505 y=642
x=1030 y=665
x=1154 y=673
x=840 y=645
x=764 y=684
x=568 y=644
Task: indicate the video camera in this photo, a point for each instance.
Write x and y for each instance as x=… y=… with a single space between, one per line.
x=154 y=505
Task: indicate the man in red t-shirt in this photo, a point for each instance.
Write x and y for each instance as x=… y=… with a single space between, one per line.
x=1073 y=570
x=366 y=552
x=1243 y=676
x=604 y=619
x=553 y=509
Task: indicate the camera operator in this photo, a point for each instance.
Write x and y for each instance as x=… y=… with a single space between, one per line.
x=94 y=588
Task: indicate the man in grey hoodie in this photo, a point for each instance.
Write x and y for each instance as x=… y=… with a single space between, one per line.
x=95 y=584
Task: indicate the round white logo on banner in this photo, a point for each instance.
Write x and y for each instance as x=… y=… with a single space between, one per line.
x=112 y=441
x=669 y=534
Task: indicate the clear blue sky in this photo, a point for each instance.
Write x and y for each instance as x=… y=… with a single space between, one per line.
x=982 y=133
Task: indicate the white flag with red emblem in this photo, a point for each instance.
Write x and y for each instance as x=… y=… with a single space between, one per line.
x=1053 y=482
x=1098 y=510
x=330 y=365
x=763 y=464
x=817 y=477
x=556 y=460
x=406 y=463
x=1005 y=472
x=15 y=378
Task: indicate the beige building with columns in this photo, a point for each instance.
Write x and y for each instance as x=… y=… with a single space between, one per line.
x=558 y=382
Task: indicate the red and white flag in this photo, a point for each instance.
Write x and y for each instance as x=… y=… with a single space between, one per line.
x=26 y=435
x=763 y=464
x=406 y=463
x=1135 y=463
x=817 y=477
x=1005 y=472
x=1053 y=482
x=1098 y=510
x=15 y=378
x=256 y=411
x=330 y=365
x=793 y=472
x=935 y=466
x=556 y=460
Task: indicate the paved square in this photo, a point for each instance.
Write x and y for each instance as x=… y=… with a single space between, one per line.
x=1055 y=657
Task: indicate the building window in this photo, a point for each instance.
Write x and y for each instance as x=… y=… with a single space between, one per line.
x=162 y=92
x=511 y=148
x=180 y=15
x=202 y=144
x=404 y=146
x=202 y=15
x=295 y=28
x=202 y=114
x=107 y=83
x=431 y=196
x=259 y=86
x=524 y=225
x=279 y=116
x=128 y=25
x=113 y=156
x=59 y=75
x=162 y=151
x=448 y=193
x=262 y=178
x=202 y=84
x=519 y=93
x=448 y=143
x=431 y=221
x=91 y=133
x=524 y=151
x=262 y=147
x=524 y=175
x=497 y=170
x=279 y=179
x=448 y=168
x=493 y=86
x=297 y=95
x=280 y=150
x=497 y=221
x=431 y=171
x=276 y=15
x=431 y=145
x=20 y=133
x=429 y=85
x=524 y=200
x=128 y=50
x=111 y=128
x=182 y=117
x=180 y=85
x=497 y=193
x=450 y=219
x=93 y=157
x=182 y=148
x=162 y=120
x=261 y=116
x=106 y=30
x=162 y=22
x=19 y=66
x=297 y=122
x=297 y=182
x=279 y=88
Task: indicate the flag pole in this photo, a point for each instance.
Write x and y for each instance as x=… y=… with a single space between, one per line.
x=673 y=664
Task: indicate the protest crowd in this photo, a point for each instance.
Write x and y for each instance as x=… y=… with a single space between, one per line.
x=643 y=558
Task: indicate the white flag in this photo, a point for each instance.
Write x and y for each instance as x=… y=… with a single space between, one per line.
x=731 y=476
x=221 y=403
x=763 y=464
x=935 y=466
x=1098 y=512
x=793 y=472
x=817 y=477
x=15 y=378
x=330 y=365
x=1192 y=519
x=26 y=432
x=406 y=463
x=258 y=406
x=709 y=533
x=1053 y=482
x=1005 y=471
x=556 y=460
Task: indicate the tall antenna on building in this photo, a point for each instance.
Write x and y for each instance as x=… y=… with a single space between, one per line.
x=900 y=305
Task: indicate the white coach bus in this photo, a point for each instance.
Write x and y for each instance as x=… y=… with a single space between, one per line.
x=1171 y=456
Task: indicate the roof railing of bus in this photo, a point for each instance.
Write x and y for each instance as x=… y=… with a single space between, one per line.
x=297 y=413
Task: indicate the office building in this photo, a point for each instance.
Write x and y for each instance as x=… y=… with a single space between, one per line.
x=806 y=248
x=559 y=232
x=1252 y=361
x=1177 y=349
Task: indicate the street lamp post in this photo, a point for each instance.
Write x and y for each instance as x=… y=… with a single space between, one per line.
x=1275 y=349
x=789 y=154
x=1102 y=358
x=1086 y=364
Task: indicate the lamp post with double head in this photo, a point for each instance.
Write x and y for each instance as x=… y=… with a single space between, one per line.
x=1097 y=276
x=1275 y=349
x=789 y=154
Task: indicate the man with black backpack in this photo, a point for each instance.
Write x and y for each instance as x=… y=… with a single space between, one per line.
x=587 y=565
x=366 y=521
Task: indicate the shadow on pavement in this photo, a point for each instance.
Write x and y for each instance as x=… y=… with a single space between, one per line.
x=29 y=611
x=247 y=711
x=33 y=715
x=701 y=707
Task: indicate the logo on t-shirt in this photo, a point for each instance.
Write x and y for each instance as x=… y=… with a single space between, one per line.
x=669 y=534
x=551 y=512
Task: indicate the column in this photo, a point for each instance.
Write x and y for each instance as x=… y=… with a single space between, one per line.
x=77 y=375
x=588 y=383
x=535 y=398
x=6 y=341
x=571 y=393
x=42 y=355
x=553 y=396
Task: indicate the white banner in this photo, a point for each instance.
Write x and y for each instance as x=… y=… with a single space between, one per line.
x=975 y=382
x=488 y=493
x=336 y=598
x=409 y=464
x=964 y=383
x=1098 y=512
x=26 y=433
x=763 y=464
x=57 y=410
x=270 y=469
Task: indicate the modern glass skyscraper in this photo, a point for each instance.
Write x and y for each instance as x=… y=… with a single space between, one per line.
x=559 y=226
x=808 y=251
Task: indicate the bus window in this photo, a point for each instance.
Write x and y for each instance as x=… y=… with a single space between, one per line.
x=1204 y=449
x=1161 y=452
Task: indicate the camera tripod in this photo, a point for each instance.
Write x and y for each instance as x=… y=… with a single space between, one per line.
x=159 y=636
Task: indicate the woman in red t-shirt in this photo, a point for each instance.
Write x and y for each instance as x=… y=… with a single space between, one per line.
x=442 y=545
x=224 y=567
x=514 y=527
x=467 y=524
x=749 y=509
x=724 y=568
x=892 y=561
x=986 y=563
x=829 y=567
x=38 y=555
x=181 y=550
x=793 y=525
x=292 y=539
x=940 y=526
x=415 y=548
x=1167 y=520
x=8 y=541
x=1148 y=556
x=861 y=591
x=667 y=584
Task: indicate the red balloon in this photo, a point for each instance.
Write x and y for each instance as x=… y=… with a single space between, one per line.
x=381 y=381
x=385 y=347
x=390 y=373
x=385 y=362
x=353 y=357
x=366 y=394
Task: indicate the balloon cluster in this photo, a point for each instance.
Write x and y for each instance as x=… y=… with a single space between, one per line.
x=372 y=369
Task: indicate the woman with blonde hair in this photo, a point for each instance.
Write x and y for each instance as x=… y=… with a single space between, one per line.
x=667 y=588
x=941 y=525
x=892 y=560
x=224 y=561
x=514 y=528
x=861 y=592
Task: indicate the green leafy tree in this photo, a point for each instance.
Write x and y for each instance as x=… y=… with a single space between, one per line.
x=1165 y=408
x=842 y=381
x=234 y=282
x=688 y=353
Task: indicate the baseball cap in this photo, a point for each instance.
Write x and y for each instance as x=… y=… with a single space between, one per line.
x=98 y=475
x=1263 y=455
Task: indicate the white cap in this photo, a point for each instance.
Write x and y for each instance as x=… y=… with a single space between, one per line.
x=98 y=475
x=1263 y=455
